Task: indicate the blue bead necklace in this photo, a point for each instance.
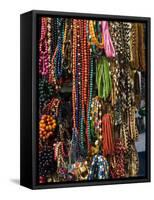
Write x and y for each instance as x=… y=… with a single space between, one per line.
x=99 y=168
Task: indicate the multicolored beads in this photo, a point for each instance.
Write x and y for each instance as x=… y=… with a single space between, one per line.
x=88 y=99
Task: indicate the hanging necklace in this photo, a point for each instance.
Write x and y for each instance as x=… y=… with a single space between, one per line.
x=96 y=118
x=49 y=39
x=137 y=45
x=56 y=61
x=99 y=168
x=74 y=72
x=117 y=162
x=88 y=132
x=43 y=48
x=94 y=40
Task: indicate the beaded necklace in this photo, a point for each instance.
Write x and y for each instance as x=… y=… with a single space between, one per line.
x=117 y=166
x=71 y=48
x=115 y=65
x=59 y=156
x=82 y=83
x=74 y=72
x=53 y=107
x=99 y=168
x=67 y=46
x=82 y=89
x=137 y=46
x=94 y=40
x=88 y=132
x=74 y=147
x=45 y=92
x=96 y=118
x=133 y=161
x=58 y=58
x=85 y=93
x=49 y=39
x=43 y=48
x=56 y=69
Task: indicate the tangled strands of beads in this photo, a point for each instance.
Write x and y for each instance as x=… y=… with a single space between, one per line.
x=133 y=161
x=137 y=46
x=59 y=156
x=117 y=166
x=53 y=107
x=132 y=124
x=75 y=152
x=59 y=149
x=52 y=79
x=108 y=146
x=124 y=134
x=43 y=49
x=94 y=40
x=72 y=53
x=55 y=67
x=45 y=92
x=67 y=46
x=81 y=88
x=96 y=118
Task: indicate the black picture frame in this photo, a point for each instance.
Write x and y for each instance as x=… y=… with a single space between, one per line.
x=28 y=98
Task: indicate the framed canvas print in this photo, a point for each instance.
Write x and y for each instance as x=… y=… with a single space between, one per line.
x=85 y=99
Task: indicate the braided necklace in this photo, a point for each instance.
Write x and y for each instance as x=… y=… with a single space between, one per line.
x=137 y=46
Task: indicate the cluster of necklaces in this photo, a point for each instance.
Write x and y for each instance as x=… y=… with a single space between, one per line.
x=90 y=91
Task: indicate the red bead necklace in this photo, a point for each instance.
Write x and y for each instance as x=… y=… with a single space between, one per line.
x=74 y=71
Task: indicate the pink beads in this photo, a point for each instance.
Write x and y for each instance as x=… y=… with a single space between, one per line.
x=43 y=49
x=108 y=45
